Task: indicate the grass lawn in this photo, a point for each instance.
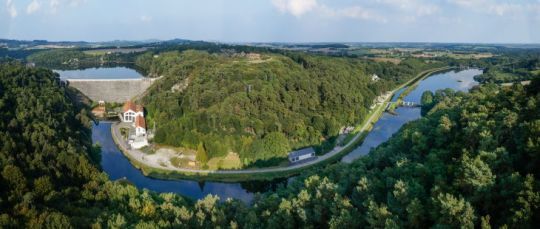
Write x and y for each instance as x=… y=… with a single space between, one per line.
x=231 y=161
x=148 y=150
x=181 y=162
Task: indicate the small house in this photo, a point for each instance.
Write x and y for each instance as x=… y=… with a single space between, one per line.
x=301 y=154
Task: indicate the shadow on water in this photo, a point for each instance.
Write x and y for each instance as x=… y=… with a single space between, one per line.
x=117 y=166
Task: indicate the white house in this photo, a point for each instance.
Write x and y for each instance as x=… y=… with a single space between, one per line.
x=131 y=111
x=301 y=154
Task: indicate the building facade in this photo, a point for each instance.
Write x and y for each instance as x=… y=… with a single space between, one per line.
x=134 y=114
x=130 y=111
x=301 y=155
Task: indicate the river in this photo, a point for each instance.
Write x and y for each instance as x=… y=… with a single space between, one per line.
x=389 y=124
x=117 y=166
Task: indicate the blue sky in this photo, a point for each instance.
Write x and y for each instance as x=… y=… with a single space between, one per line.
x=484 y=21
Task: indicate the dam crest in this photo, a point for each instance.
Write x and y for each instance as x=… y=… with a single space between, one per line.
x=112 y=90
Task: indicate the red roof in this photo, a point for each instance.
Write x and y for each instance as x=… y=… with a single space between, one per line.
x=139 y=121
x=131 y=106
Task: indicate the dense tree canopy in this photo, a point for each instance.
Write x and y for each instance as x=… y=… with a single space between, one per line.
x=471 y=161
x=240 y=102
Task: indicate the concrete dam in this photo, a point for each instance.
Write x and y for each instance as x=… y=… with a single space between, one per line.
x=111 y=90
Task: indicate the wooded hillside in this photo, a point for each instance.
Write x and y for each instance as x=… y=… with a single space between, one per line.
x=254 y=104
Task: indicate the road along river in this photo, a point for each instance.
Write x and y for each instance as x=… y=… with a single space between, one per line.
x=118 y=166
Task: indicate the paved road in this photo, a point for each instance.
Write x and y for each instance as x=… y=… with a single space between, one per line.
x=139 y=156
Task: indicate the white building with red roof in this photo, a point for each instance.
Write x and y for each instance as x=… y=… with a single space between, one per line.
x=131 y=110
x=134 y=114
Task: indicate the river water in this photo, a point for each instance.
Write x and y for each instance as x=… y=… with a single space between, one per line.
x=117 y=166
x=389 y=124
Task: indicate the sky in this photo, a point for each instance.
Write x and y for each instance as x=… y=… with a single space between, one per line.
x=464 y=21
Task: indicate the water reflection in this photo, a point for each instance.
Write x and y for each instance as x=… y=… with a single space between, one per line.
x=100 y=73
x=117 y=166
x=389 y=124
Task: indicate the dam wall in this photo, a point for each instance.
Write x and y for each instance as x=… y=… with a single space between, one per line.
x=111 y=90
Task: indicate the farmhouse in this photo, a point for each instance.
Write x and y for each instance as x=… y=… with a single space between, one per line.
x=301 y=154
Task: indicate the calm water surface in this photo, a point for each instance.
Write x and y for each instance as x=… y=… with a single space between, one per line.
x=100 y=73
x=389 y=124
x=117 y=165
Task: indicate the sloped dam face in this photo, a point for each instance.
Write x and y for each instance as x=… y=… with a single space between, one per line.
x=111 y=90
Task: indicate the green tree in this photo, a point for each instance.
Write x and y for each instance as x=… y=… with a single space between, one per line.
x=454 y=212
x=201 y=156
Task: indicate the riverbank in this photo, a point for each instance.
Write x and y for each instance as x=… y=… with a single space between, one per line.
x=411 y=85
x=165 y=172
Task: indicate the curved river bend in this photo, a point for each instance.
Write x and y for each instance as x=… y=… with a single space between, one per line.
x=117 y=166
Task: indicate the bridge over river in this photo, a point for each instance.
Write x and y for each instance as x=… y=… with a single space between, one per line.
x=111 y=90
x=402 y=104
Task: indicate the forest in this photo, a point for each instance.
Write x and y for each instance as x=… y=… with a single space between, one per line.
x=518 y=70
x=66 y=59
x=471 y=161
x=262 y=105
x=505 y=67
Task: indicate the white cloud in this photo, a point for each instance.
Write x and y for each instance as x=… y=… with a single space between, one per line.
x=295 y=7
x=514 y=8
x=146 y=18
x=416 y=7
x=75 y=2
x=10 y=6
x=54 y=5
x=33 y=7
x=301 y=7
x=57 y=4
x=358 y=12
